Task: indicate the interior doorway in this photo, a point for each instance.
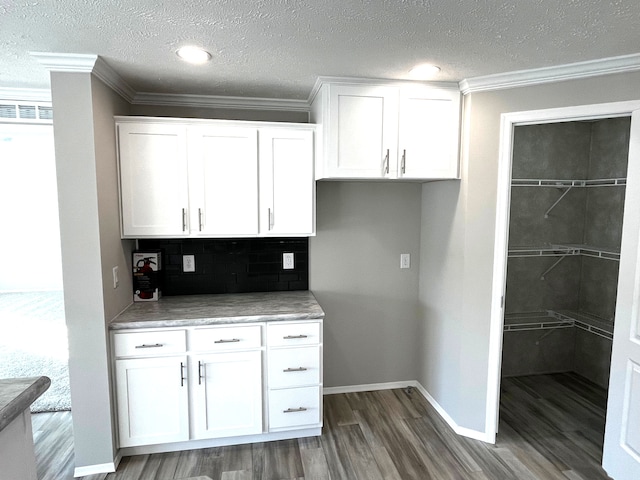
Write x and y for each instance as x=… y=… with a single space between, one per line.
x=568 y=182
x=621 y=438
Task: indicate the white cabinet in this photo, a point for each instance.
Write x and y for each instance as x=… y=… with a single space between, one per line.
x=199 y=178
x=216 y=383
x=393 y=131
x=287 y=184
x=152 y=396
x=223 y=180
x=227 y=398
x=152 y=390
x=294 y=357
x=226 y=380
x=154 y=192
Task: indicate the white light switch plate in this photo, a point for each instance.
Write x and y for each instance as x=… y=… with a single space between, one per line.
x=188 y=263
x=405 y=260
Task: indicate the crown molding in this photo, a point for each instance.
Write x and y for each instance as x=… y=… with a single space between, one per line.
x=214 y=101
x=40 y=95
x=85 y=63
x=66 y=62
x=537 y=76
x=321 y=80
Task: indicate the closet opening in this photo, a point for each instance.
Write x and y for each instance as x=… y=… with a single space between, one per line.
x=568 y=182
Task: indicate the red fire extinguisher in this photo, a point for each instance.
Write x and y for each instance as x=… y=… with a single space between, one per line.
x=144 y=267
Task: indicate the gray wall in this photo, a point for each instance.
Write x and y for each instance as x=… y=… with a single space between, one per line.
x=91 y=245
x=370 y=330
x=467 y=233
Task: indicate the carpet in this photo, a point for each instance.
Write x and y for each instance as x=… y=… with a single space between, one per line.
x=33 y=342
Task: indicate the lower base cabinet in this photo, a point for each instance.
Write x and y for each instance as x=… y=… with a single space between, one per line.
x=153 y=401
x=193 y=384
x=227 y=398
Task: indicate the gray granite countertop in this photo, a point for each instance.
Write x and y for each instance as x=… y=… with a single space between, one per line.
x=17 y=394
x=195 y=310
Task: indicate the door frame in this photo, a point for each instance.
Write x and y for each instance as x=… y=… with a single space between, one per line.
x=507 y=123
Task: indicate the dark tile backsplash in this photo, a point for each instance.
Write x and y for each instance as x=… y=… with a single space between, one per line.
x=232 y=265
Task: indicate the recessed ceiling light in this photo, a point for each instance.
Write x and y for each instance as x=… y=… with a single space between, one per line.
x=424 y=71
x=193 y=54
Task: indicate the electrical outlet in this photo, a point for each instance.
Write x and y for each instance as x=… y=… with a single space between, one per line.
x=405 y=260
x=116 y=280
x=188 y=263
x=287 y=261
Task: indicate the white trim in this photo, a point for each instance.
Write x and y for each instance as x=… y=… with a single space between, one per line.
x=87 y=470
x=214 y=101
x=321 y=80
x=112 y=79
x=85 y=63
x=219 y=442
x=507 y=123
x=66 y=62
x=572 y=71
x=38 y=95
x=370 y=387
x=465 y=432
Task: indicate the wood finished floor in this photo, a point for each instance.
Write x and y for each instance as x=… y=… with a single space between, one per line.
x=551 y=427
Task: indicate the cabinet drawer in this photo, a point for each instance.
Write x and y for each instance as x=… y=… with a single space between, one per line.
x=294 y=407
x=294 y=367
x=225 y=338
x=292 y=334
x=138 y=344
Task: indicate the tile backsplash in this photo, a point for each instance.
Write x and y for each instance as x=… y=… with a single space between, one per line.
x=237 y=265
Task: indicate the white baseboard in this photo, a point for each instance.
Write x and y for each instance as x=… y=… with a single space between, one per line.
x=465 y=432
x=96 y=469
x=109 y=467
x=370 y=387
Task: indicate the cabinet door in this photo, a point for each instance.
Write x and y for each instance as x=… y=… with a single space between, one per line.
x=227 y=394
x=153 y=179
x=223 y=178
x=152 y=401
x=287 y=186
x=428 y=133
x=363 y=131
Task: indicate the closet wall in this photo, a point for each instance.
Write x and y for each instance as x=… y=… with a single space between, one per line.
x=567 y=198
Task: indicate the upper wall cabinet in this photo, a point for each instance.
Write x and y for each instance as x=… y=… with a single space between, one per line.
x=391 y=130
x=154 y=190
x=193 y=178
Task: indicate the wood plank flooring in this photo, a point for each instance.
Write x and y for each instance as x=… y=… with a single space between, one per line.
x=551 y=427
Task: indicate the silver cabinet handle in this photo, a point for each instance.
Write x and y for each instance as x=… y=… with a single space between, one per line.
x=386 y=162
x=200 y=376
x=229 y=340
x=200 y=225
x=184 y=219
x=299 y=369
x=404 y=161
x=292 y=337
x=154 y=345
x=294 y=410
x=182 y=377
x=270 y=215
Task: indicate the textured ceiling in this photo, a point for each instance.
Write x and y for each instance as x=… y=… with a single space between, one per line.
x=277 y=48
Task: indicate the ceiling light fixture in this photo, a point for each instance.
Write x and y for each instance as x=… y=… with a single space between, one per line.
x=424 y=71
x=193 y=54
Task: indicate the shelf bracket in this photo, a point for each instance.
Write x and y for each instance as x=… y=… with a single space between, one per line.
x=555 y=264
x=546 y=214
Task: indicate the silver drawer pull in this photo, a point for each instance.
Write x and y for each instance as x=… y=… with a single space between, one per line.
x=292 y=337
x=299 y=369
x=229 y=340
x=294 y=410
x=146 y=345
